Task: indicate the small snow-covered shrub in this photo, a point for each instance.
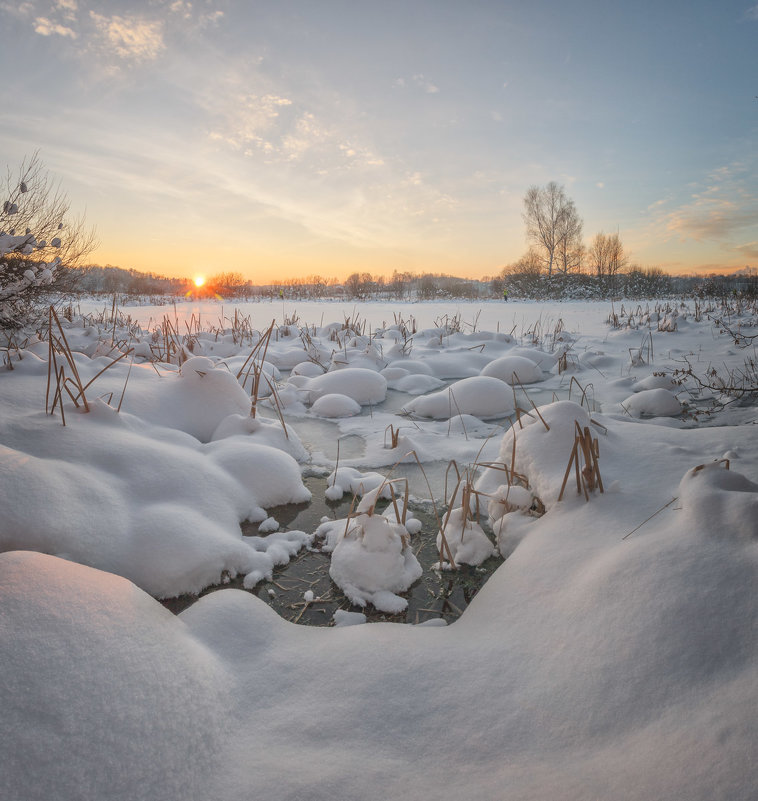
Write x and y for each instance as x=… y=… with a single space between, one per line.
x=373 y=561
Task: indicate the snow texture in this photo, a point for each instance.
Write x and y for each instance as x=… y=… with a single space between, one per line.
x=612 y=655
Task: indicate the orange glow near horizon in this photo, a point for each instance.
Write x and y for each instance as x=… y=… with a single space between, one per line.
x=199 y=280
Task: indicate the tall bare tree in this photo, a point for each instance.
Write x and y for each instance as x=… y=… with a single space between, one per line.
x=553 y=225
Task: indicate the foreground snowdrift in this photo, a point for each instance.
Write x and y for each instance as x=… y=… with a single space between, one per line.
x=104 y=693
x=588 y=666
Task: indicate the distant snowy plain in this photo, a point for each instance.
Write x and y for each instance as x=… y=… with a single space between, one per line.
x=614 y=654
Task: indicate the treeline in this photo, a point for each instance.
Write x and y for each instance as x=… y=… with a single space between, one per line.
x=520 y=281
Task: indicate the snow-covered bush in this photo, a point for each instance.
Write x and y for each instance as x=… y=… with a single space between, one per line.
x=38 y=246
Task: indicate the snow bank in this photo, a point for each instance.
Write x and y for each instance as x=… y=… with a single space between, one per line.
x=150 y=504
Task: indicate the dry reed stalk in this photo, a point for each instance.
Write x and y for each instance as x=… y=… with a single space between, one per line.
x=62 y=382
x=587 y=476
x=123 y=391
x=700 y=467
x=394 y=436
x=658 y=511
x=337 y=463
x=547 y=427
x=107 y=367
x=452 y=463
x=444 y=544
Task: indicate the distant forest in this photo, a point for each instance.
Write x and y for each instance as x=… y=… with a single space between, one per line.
x=518 y=281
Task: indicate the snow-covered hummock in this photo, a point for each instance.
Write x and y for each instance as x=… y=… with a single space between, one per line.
x=163 y=511
x=542 y=455
x=480 y=396
x=658 y=402
x=194 y=400
x=362 y=385
x=514 y=369
x=468 y=543
x=335 y=405
x=508 y=498
x=656 y=381
x=349 y=479
x=373 y=561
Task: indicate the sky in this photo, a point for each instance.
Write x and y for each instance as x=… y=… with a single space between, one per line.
x=296 y=137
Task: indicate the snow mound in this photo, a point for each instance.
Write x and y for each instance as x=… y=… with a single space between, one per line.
x=656 y=381
x=415 y=384
x=363 y=386
x=335 y=405
x=348 y=479
x=468 y=543
x=513 y=369
x=541 y=454
x=723 y=502
x=373 y=562
x=262 y=431
x=653 y=403
x=194 y=400
x=481 y=396
x=100 y=681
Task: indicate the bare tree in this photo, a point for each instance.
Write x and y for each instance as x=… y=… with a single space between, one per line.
x=570 y=250
x=607 y=255
x=39 y=243
x=553 y=225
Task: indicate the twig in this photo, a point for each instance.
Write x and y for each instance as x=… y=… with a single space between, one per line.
x=665 y=505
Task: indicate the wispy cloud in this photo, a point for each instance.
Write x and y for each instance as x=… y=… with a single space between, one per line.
x=45 y=27
x=420 y=81
x=752 y=13
x=748 y=251
x=130 y=38
x=720 y=208
x=426 y=85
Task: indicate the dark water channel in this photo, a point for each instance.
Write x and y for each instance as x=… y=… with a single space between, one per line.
x=435 y=595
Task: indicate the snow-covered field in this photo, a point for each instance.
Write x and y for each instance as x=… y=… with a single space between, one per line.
x=613 y=655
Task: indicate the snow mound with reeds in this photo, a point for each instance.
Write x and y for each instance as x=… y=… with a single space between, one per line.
x=466 y=541
x=194 y=400
x=373 y=561
x=542 y=450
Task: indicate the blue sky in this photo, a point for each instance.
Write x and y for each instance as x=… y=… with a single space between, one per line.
x=290 y=138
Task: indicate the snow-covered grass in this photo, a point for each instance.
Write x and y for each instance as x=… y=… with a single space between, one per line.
x=612 y=655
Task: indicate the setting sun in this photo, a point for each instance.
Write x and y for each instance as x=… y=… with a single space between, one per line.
x=199 y=280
